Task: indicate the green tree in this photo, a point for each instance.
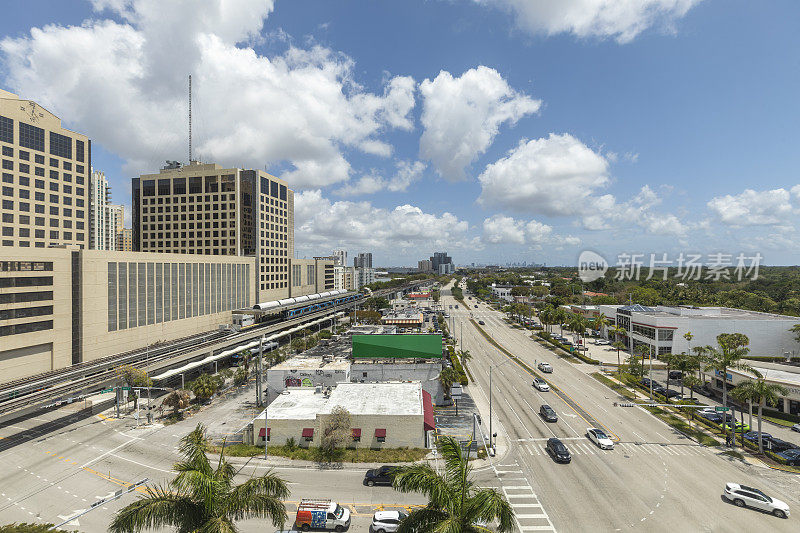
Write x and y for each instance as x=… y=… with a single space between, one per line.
x=335 y=433
x=796 y=330
x=455 y=504
x=447 y=377
x=205 y=386
x=732 y=347
x=133 y=377
x=691 y=381
x=686 y=364
x=25 y=527
x=201 y=498
x=758 y=392
x=599 y=322
x=618 y=346
x=241 y=376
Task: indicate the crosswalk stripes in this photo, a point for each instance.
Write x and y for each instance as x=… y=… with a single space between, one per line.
x=628 y=448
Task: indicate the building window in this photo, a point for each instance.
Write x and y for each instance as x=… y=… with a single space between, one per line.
x=112 y=296
x=31 y=137
x=79 y=152
x=60 y=145
x=6 y=130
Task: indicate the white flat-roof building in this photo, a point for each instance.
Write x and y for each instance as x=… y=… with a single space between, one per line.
x=393 y=415
x=504 y=293
x=308 y=372
x=663 y=327
x=779 y=374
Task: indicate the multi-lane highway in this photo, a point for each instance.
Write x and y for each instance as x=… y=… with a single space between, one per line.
x=654 y=480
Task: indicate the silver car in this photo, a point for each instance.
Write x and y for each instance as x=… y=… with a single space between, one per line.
x=744 y=496
x=387 y=521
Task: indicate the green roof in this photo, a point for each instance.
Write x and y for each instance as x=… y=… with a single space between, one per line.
x=427 y=346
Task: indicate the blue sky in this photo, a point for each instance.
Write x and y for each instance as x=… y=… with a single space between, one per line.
x=499 y=130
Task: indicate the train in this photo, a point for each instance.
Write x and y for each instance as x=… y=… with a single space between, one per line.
x=279 y=310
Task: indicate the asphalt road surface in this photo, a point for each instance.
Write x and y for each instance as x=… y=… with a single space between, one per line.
x=654 y=480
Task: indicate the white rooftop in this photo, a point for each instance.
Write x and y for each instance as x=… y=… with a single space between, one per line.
x=393 y=398
x=789 y=377
x=311 y=363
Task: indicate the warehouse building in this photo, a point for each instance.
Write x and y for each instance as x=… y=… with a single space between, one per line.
x=305 y=371
x=382 y=415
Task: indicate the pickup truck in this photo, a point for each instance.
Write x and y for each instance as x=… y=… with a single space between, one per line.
x=321 y=514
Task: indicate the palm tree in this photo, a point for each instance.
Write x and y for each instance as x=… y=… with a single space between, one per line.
x=758 y=392
x=201 y=498
x=577 y=323
x=686 y=363
x=600 y=322
x=546 y=317
x=732 y=347
x=455 y=504
x=618 y=346
x=691 y=382
x=670 y=360
x=560 y=315
x=447 y=377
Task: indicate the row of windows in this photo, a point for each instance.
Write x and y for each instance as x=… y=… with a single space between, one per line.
x=192 y=199
x=200 y=207
x=33 y=281
x=26 y=312
x=142 y=294
x=273 y=188
x=166 y=186
x=25 y=168
x=25 y=220
x=30 y=327
x=21 y=297
x=26 y=266
x=39 y=244
x=54 y=235
x=208 y=225
x=39 y=159
x=38 y=208
x=39 y=184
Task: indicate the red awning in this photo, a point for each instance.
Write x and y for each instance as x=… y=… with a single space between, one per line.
x=427 y=410
x=380 y=433
x=308 y=432
x=356 y=433
x=261 y=432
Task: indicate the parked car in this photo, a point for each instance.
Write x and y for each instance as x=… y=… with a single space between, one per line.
x=379 y=476
x=481 y=322
x=675 y=374
x=541 y=385
x=739 y=427
x=322 y=514
x=602 y=342
x=545 y=367
x=558 y=451
x=712 y=417
x=476 y=307
x=796 y=427
x=672 y=393
x=599 y=437
x=387 y=521
x=744 y=496
x=792 y=456
x=779 y=445
x=548 y=413
x=660 y=390
x=752 y=436
x=646 y=383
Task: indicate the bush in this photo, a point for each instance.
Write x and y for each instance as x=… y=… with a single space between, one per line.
x=462 y=376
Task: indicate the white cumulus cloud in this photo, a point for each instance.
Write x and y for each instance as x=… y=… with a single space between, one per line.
x=501 y=229
x=621 y=20
x=300 y=109
x=753 y=208
x=554 y=175
x=406 y=173
x=461 y=117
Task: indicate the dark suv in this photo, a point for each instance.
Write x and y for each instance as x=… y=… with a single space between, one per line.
x=379 y=476
x=558 y=451
x=548 y=413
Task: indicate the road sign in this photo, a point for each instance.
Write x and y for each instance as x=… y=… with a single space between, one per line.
x=722 y=409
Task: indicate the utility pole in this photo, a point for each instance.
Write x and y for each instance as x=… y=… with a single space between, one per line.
x=258 y=370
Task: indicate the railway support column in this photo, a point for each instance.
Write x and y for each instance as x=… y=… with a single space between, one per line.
x=183 y=385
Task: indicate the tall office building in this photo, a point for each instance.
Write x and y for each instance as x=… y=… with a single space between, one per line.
x=339 y=257
x=125 y=240
x=45 y=178
x=442 y=263
x=206 y=209
x=363 y=260
x=343 y=277
x=105 y=219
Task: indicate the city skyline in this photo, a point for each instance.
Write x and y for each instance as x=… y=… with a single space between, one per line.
x=527 y=135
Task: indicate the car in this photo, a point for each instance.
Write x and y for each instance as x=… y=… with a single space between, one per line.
x=672 y=393
x=647 y=381
x=712 y=417
x=379 y=476
x=387 y=521
x=476 y=307
x=739 y=427
x=752 y=436
x=744 y=496
x=599 y=437
x=541 y=385
x=545 y=367
x=791 y=456
x=451 y=307
x=602 y=342
x=796 y=427
x=660 y=390
x=558 y=451
x=548 y=413
x=675 y=374
x=481 y=322
x=778 y=445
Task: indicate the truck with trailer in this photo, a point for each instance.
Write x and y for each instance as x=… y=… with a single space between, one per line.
x=321 y=514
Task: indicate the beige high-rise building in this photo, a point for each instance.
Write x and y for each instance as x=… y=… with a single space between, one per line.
x=44 y=194
x=116 y=223
x=105 y=219
x=206 y=209
x=125 y=240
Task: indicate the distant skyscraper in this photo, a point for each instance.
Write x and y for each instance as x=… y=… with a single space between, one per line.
x=105 y=219
x=442 y=263
x=125 y=240
x=340 y=257
x=363 y=260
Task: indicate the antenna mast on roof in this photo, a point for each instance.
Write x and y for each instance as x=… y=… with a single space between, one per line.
x=190 y=118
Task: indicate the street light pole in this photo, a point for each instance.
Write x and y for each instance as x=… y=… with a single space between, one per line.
x=266 y=429
x=651 y=371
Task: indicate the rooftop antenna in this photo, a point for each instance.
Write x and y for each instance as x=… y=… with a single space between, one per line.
x=190 y=118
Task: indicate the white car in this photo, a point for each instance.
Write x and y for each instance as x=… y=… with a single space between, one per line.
x=796 y=427
x=603 y=342
x=744 y=496
x=599 y=437
x=387 y=521
x=541 y=385
x=545 y=367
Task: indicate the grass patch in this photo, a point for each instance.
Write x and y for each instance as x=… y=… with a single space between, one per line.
x=350 y=455
x=778 y=421
x=733 y=453
x=613 y=385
